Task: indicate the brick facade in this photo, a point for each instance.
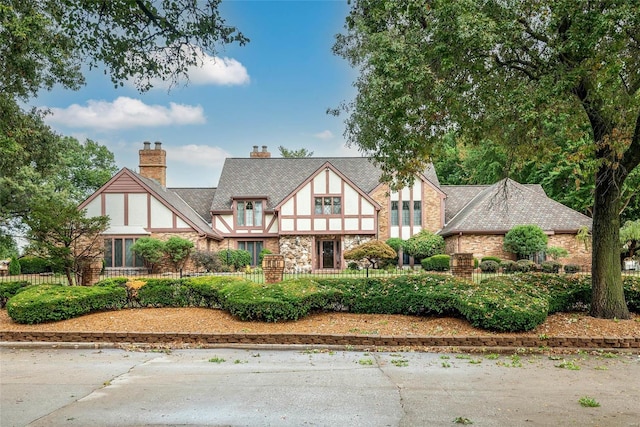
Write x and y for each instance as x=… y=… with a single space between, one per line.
x=432 y=209
x=482 y=245
x=381 y=196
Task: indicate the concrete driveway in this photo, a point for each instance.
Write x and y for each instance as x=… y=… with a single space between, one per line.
x=265 y=387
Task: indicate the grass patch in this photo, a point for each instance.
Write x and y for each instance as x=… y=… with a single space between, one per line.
x=588 y=402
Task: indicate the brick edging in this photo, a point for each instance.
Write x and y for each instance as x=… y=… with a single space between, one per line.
x=319 y=339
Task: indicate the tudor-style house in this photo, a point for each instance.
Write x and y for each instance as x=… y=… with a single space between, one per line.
x=311 y=210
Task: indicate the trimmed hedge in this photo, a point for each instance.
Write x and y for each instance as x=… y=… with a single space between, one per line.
x=489 y=266
x=45 y=303
x=512 y=303
x=436 y=263
x=9 y=289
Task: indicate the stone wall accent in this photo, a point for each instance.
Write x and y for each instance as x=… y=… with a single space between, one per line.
x=462 y=265
x=298 y=253
x=494 y=341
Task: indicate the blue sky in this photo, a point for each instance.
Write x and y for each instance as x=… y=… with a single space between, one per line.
x=273 y=91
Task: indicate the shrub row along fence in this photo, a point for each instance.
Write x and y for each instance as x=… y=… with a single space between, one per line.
x=512 y=303
x=256 y=274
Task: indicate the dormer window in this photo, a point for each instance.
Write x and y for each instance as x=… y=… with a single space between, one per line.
x=249 y=213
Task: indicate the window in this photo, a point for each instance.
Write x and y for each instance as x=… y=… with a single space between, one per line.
x=417 y=212
x=254 y=248
x=328 y=205
x=249 y=213
x=117 y=253
x=409 y=210
x=405 y=214
x=394 y=213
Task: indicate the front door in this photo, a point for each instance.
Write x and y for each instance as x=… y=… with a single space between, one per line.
x=328 y=253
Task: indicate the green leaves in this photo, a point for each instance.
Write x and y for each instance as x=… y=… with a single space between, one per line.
x=525 y=240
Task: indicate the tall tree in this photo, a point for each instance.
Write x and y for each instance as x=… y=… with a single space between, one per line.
x=46 y=42
x=62 y=233
x=515 y=72
x=301 y=152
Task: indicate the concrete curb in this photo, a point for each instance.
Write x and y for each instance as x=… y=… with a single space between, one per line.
x=102 y=339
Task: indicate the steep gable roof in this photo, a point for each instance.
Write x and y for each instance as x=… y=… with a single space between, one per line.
x=198 y=198
x=126 y=180
x=276 y=178
x=499 y=207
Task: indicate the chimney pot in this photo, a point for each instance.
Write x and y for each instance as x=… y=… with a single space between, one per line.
x=264 y=148
x=158 y=145
x=255 y=148
x=147 y=145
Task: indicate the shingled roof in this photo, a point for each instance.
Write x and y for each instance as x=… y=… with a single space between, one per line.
x=174 y=200
x=276 y=178
x=198 y=198
x=497 y=208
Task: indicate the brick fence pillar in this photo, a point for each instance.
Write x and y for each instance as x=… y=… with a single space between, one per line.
x=462 y=265
x=90 y=274
x=273 y=268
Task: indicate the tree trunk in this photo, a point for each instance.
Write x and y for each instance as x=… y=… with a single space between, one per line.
x=607 y=299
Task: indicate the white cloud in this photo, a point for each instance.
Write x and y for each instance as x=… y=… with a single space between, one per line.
x=219 y=71
x=125 y=113
x=325 y=134
x=211 y=70
x=197 y=155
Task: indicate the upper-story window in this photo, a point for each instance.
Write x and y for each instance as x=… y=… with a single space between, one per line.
x=328 y=205
x=417 y=212
x=407 y=212
x=394 y=213
x=249 y=213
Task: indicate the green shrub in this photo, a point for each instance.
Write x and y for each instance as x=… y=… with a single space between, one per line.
x=207 y=261
x=498 y=305
x=550 y=267
x=236 y=258
x=263 y=252
x=164 y=293
x=424 y=244
x=525 y=240
x=352 y=266
x=34 y=265
x=563 y=293
x=509 y=266
x=436 y=263
x=631 y=286
x=491 y=258
x=489 y=266
x=571 y=268
x=9 y=289
x=555 y=252
x=525 y=265
x=14 y=267
x=45 y=303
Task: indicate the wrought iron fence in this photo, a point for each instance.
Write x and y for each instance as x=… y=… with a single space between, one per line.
x=256 y=274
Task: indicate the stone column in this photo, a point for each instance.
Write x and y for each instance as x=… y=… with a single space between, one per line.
x=273 y=268
x=462 y=265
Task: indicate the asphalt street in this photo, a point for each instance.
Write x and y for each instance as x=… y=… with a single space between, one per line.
x=44 y=386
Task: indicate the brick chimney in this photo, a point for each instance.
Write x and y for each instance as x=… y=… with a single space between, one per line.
x=264 y=154
x=153 y=163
